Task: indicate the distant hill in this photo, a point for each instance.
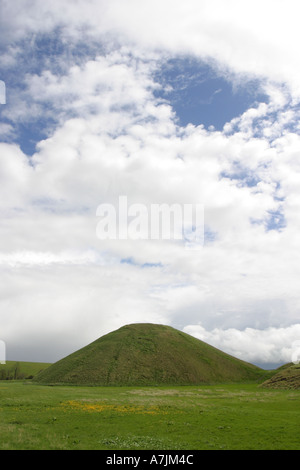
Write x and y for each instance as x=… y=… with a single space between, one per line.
x=17 y=370
x=287 y=377
x=149 y=354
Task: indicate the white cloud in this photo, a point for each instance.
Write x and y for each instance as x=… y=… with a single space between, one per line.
x=15 y=176
x=242 y=37
x=110 y=136
x=58 y=307
x=80 y=167
x=271 y=345
x=34 y=258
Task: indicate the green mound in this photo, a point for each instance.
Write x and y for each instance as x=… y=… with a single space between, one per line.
x=148 y=354
x=287 y=377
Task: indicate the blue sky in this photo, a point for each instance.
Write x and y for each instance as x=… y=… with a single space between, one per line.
x=197 y=93
x=201 y=96
x=104 y=101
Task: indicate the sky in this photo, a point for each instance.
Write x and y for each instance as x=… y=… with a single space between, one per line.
x=161 y=102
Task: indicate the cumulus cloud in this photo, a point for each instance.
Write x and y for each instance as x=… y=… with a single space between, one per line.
x=243 y=38
x=89 y=99
x=271 y=345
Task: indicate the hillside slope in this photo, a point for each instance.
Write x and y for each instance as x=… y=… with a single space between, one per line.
x=287 y=377
x=148 y=354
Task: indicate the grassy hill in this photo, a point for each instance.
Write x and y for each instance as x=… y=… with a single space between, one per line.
x=287 y=377
x=15 y=370
x=149 y=354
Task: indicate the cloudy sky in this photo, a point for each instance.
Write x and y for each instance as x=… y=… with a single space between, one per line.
x=164 y=102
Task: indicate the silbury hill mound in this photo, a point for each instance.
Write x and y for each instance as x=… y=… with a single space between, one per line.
x=287 y=378
x=148 y=354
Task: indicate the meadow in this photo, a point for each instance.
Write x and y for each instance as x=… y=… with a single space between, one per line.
x=219 y=417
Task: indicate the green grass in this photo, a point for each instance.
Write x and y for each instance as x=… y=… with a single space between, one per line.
x=215 y=417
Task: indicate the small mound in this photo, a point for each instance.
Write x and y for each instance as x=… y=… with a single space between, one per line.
x=287 y=377
x=148 y=354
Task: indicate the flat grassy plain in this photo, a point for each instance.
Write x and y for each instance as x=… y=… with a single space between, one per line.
x=220 y=417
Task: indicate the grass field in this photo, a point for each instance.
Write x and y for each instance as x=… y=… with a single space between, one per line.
x=156 y=418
